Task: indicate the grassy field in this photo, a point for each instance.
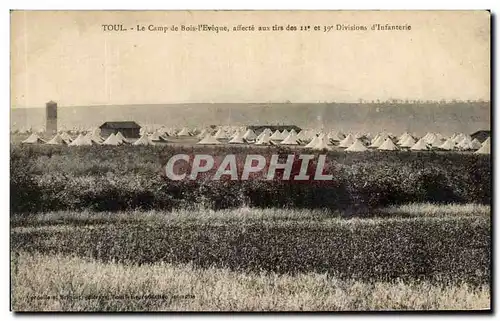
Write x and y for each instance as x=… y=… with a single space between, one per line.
x=98 y=228
x=423 y=256
x=68 y=283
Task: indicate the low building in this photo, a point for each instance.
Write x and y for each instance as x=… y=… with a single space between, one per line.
x=481 y=135
x=129 y=129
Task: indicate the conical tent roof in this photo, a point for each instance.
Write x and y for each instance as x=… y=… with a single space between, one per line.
x=249 y=135
x=81 y=141
x=388 y=144
x=421 y=145
x=184 y=132
x=284 y=133
x=487 y=142
x=264 y=140
x=209 y=140
x=403 y=136
x=276 y=135
x=378 y=142
x=237 y=139
x=435 y=141
x=313 y=142
x=66 y=137
x=476 y=143
x=428 y=137
x=57 y=140
x=112 y=140
x=458 y=138
x=322 y=144
x=143 y=140
x=122 y=138
x=267 y=131
x=291 y=139
x=486 y=148
x=379 y=137
x=357 y=146
x=156 y=137
x=334 y=136
x=203 y=133
x=33 y=139
x=448 y=145
x=348 y=141
x=465 y=143
x=408 y=142
x=220 y=134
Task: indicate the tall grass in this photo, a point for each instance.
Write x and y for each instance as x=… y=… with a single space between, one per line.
x=67 y=283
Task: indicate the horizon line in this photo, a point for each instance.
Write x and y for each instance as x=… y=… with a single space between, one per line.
x=363 y=102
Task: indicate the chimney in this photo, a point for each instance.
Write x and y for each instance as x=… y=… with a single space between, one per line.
x=51 y=117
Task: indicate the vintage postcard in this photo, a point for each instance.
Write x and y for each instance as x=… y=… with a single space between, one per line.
x=250 y=161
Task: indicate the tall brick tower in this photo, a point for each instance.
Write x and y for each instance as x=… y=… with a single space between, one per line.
x=51 y=117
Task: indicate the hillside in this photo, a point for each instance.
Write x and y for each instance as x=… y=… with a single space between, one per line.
x=369 y=117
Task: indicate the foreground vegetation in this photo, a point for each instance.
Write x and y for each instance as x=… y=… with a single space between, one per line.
x=123 y=178
x=439 y=249
x=68 y=283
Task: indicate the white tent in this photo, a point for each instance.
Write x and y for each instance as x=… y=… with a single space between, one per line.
x=348 y=141
x=57 y=140
x=237 y=139
x=485 y=148
x=183 y=132
x=357 y=146
x=335 y=136
x=378 y=141
x=322 y=144
x=143 y=140
x=33 y=139
x=380 y=137
x=435 y=141
x=408 y=142
x=458 y=138
x=267 y=131
x=448 y=145
x=276 y=136
x=209 y=140
x=203 y=133
x=220 y=134
x=313 y=142
x=66 y=137
x=249 y=135
x=403 y=137
x=302 y=135
x=476 y=143
x=291 y=139
x=121 y=138
x=81 y=141
x=421 y=145
x=284 y=133
x=156 y=137
x=388 y=144
x=428 y=136
x=264 y=140
x=112 y=140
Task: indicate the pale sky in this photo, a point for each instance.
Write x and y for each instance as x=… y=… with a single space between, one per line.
x=66 y=57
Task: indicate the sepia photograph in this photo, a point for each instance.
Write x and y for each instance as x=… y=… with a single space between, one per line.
x=250 y=161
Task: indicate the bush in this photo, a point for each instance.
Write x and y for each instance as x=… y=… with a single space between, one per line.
x=100 y=178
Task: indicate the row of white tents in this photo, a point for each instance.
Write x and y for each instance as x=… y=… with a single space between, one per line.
x=356 y=142
x=351 y=142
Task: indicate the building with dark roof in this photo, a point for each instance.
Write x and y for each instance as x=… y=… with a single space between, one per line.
x=481 y=135
x=129 y=129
